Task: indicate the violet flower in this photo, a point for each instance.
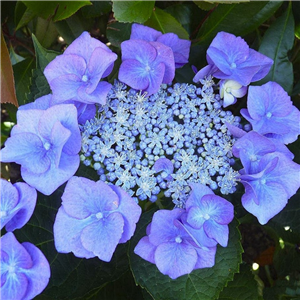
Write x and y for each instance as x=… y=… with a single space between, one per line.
x=180 y=47
x=229 y=57
x=171 y=247
x=271 y=112
x=269 y=186
x=25 y=271
x=46 y=144
x=75 y=74
x=146 y=65
x=97 y=217
x=17 y=204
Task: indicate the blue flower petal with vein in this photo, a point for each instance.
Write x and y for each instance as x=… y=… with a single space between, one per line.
x=181 y=123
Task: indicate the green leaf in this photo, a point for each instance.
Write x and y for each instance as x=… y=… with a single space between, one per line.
x=55 y=10
x=118 y=32
x=45 y=32
x=226 y=1
x=164 y=22
x=97 y=9
x=71 y=277
x=23 y=15
x=43 y=56
x=14 y=57
x=239 y=19
x=243 y=286
x=202 y=284
x=39 y=84
x=22 y=74
x=132 y=11
x=276 y=43
x=204 y=5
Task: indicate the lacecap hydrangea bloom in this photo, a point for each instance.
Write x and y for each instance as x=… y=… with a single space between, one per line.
x=46 y=144
x=97 y=218
x=25 y=271
x=17 y=204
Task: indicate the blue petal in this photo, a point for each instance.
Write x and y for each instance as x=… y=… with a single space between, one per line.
x=145 y=249
x=217 y=232
x=98 y=96
x=163 y=164
x=103 y=236
x=38 y=275
x=141 y=32
x=206 y=257
x=40 y=103
x=198 y=191
x=14 y=287
x=65 y=243
x=175 y=259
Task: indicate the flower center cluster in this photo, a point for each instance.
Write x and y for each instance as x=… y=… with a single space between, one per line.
x=182 y=123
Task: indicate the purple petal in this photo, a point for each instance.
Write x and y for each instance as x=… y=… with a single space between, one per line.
x=27 y=201
x=163 y=164
x=204 y=72
x=180 y=48
x=165 y=56
x=145 y=249
x=103 y=236
x=38 y=276
x=206 y=257
x=49 y=181
x=198 y=191
x=235 y=131
x=162 y=227
x=18 y=256
x=9 y=200
x=14 y=287
x=65 y=88
x=65 y=243
x=130 y=211
x=65 y=65
x=175 y=259
x=257 y=102
x=98 y=96
x=66 y=114
x=40 y=103
x=96 y=67
x=83 y=197
x=217 y=231
x=84 y=46
x=85 y=112
x=195 y=217
x=27 y=150
x=219 y=209
x=141 y=32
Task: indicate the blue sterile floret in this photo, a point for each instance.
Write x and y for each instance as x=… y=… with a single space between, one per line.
x=25 y=271
x=132 y=134
x=46 y=144
x=75 y=75
x=17 y=204
x=179 y=241
x=97 y=218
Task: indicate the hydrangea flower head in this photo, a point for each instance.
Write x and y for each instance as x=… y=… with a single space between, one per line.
x=171 y=247
x=229 y=57
x=17 y=204
x=146 y=65
x=180 y=47
x=46 y=144
x=271 y=112
x=25 y=271
x=97 y=217
x=75 y=74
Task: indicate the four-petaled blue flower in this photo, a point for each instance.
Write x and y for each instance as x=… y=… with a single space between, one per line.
x=229 y=57
x=180 y=47
x=75 y=74
x=17 y=204
x=171 y=247
x=146 y=65
x=271 y=112
x=97 y=218
x=25 y=271
x=46 y=144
